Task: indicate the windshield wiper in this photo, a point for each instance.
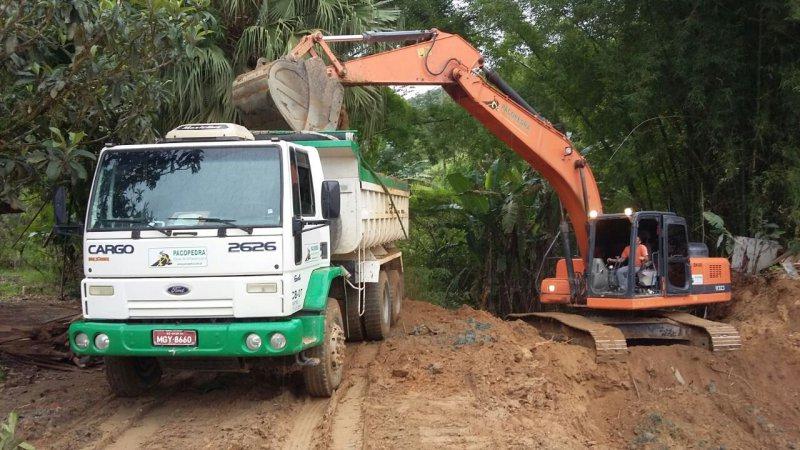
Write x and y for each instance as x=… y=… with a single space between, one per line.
x=231 y=222
x=145 y=222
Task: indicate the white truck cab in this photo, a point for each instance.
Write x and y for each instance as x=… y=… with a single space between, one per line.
x=218 y=244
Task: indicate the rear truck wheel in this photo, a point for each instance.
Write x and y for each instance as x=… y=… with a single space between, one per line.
x=398 y=293
x=353 y=325
x=131 y=377
x=378 y=308
x=323 y=378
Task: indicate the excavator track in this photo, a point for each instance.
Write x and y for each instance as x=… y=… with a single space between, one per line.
x=609 y=335
x=721 y=336
x=608 y=342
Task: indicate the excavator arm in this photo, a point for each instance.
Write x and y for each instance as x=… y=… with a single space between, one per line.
x=306 y=89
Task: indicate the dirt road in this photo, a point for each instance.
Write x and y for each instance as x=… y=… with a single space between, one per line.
x=456 y=379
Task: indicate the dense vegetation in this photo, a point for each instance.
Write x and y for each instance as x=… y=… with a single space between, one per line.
x=690 y=106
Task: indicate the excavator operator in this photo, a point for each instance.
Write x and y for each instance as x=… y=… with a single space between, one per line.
x=641 y=257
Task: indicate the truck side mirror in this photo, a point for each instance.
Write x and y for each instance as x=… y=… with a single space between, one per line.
x=60 y=206
x=62 y=225
x=331 y=199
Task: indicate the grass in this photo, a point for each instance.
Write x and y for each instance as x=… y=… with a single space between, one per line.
x=14 y=281
x=8 y=438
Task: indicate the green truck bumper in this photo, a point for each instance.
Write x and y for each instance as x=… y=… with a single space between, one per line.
x=213 y=339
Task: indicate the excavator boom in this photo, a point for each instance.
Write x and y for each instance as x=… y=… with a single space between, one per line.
x=308 y=93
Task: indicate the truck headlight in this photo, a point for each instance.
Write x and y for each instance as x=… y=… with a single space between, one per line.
x=103 y=291
x=101 y=341
x=81 y=340
x=277 y=341
x=262 y=288
x=253 y=341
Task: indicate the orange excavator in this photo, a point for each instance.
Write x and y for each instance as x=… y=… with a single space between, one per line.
x=636 y=275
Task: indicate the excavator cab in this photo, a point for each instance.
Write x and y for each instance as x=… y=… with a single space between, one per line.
x=666 y=270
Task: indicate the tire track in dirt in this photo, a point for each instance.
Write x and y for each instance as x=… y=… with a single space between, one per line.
x=347 y=422
x=336 y=422
x=130 y=426
x=306 y=422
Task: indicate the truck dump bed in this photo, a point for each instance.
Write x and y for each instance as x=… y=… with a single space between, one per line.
x=374 y=207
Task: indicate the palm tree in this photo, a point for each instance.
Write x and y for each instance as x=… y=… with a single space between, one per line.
x=249 y=29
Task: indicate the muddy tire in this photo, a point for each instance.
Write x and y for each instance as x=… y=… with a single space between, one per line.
x=323 y=379
x=353 y=325
x=131 y=377
x=398 y=293
x=378 y=309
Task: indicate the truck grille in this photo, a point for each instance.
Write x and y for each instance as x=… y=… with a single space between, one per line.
x=180 y=308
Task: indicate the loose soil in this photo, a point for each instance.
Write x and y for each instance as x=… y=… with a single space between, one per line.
x=456 y=379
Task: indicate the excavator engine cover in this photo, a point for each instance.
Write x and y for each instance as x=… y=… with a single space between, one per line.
x=298 y=94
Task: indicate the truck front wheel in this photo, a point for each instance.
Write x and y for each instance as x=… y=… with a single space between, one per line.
x=131 y=377
x=323 y=378
x=378 y=308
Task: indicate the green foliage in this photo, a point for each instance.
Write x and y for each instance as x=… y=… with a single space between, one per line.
x=77 y=74
x=8 y=438
x=724 y=237
x=683 y=106
x=256 y=29
x=479 y=215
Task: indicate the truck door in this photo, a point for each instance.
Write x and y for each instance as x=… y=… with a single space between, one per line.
x=309 y=251
x=675 y=244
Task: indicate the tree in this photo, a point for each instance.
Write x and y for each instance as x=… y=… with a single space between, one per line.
x=683 y=106
x=80 y=73
x=269 y=29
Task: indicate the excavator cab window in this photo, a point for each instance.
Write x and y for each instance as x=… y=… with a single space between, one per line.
x=676 y=243
x=646 y=278
x=608 y=238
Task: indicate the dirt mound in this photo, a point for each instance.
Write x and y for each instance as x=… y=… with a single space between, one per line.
x=458 y=379
x=767 y=308
x=465 y=378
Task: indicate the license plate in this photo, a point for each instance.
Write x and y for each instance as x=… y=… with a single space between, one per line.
x=175 y=338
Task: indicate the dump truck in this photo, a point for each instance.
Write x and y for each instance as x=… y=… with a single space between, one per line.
x=636 y=275
x=224 y=249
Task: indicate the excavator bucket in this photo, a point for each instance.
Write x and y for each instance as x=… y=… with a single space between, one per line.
x=298 y=94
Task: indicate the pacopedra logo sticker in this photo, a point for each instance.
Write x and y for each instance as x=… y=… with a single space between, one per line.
x=178 y=257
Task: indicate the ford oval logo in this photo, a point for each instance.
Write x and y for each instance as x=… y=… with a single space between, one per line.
x=178 y=289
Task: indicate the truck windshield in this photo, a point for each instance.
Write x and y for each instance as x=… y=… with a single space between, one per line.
x=187 y=187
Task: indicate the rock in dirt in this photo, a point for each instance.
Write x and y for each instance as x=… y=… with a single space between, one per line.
x=678 y=376
x=434 y=368
x=523 y=354
x=400 y=373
